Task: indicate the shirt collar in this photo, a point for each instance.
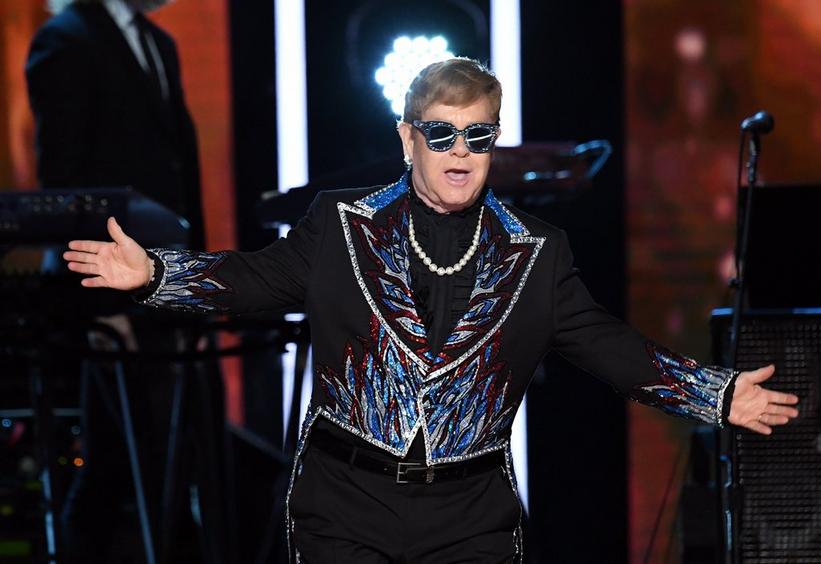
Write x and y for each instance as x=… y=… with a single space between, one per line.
x=469 y=211
x=121 y=12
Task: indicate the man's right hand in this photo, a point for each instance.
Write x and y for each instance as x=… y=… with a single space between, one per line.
x=121 y=264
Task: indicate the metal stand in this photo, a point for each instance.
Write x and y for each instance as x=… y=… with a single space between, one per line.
x=727 y=481
x=43 y=423
x=26 y=341
x=131 y=443
x=272 y=529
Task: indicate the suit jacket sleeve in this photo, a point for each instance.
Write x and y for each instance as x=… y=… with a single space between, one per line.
x=60 y=79
x=273 y=278
x=640 y=369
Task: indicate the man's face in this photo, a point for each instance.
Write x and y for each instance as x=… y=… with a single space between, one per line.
x=449 y=180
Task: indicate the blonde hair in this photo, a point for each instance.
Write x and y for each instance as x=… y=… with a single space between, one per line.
x=454 y=82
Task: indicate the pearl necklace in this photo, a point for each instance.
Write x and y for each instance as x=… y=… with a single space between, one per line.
x=442 y=270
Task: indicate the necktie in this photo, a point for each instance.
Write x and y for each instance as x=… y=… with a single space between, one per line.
x=143 y=32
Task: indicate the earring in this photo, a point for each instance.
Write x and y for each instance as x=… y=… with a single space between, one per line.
x=408 y=162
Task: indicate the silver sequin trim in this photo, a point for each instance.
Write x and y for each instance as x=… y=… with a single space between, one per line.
x=175 y=293
x=733 y=375
x=358 y=432
x=538 y=243
x=704 y=402
x=150 y=299
x=365 y=292
x=382 y=197
x=420 y=423
x=300 y=448
x=511 y=223
x=518 y=541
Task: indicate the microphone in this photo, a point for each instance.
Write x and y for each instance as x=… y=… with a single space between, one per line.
x=761 y=122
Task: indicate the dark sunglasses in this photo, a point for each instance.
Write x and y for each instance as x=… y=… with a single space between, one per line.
x=441 y=135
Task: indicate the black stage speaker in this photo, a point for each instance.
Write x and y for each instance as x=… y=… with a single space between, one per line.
x=783 y=266
x=771 y=506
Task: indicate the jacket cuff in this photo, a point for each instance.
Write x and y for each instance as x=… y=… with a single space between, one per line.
x=185 y=281
x=727 y=399
x=687 y=389
x=142 y=295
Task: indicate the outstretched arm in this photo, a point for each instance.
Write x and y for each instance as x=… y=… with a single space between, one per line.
x=273 y=278
x=644 y=371
x=121 y=264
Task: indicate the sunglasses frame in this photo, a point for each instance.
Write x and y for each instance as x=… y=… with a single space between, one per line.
x=426 y=126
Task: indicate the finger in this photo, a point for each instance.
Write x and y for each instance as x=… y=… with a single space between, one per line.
x=116 y=232
x=96 y=282
x=759 y=427
x=770 y=419
x=76 y=256
x=782 y=398
x=83 y=268
x=762 y=374
x=782 y=410
x=86 y=246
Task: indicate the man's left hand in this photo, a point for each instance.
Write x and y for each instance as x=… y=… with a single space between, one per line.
x=759 y=409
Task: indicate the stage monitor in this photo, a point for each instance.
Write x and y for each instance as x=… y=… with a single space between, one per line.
x=784 y=256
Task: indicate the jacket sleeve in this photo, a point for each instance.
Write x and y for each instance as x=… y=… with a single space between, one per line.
x=273 y=278
x=59 y=74
x=638 y=368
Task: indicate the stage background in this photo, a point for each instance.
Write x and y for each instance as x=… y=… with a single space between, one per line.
x=694 y=70
x=201 y=31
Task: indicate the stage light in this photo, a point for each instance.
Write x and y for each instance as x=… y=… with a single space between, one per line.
x=401 y=65
x=505 y=58
x=291 y=92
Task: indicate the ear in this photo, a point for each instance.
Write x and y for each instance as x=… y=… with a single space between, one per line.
x=405 y=131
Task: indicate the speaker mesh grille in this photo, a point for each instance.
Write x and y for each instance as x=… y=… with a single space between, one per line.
x=780 y=475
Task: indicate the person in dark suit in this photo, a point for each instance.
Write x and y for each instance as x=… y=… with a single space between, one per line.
x=105 y=89
x=104 y=85
x=431 y=304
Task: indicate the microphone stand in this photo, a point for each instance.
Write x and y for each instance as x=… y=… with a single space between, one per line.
x=741 y=258
x=727 y=472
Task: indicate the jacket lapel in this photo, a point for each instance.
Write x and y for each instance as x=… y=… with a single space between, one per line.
x=376 y=234
x=378 y=245
x=506 y=255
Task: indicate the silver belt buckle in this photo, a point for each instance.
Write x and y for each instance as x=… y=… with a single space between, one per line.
x=402 y=472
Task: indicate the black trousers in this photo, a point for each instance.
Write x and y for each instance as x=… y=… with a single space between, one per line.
x=341 y=513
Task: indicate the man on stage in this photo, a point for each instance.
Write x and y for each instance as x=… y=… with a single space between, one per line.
x=431 y=304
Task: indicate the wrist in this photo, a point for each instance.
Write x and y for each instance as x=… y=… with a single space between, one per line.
x=149 y=265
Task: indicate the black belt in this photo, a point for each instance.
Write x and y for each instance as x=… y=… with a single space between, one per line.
x=404 y=472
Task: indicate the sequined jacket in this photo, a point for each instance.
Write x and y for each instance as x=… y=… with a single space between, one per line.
x=347 y=262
